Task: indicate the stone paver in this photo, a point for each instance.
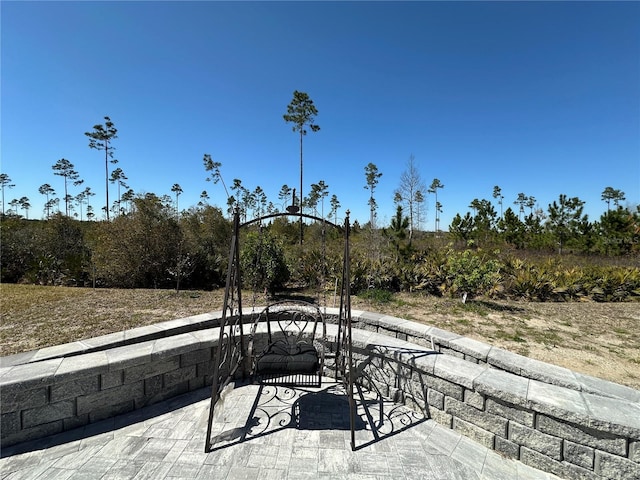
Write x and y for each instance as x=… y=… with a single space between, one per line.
x=268 y=433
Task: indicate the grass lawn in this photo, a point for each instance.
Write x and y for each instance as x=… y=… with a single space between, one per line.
x=600 y=339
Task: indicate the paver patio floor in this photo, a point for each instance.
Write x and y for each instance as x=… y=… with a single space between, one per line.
x=269 y=433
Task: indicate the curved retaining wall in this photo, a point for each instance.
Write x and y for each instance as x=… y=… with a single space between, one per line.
x=548 y=417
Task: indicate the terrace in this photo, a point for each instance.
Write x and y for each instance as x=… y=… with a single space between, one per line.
x=431 y=403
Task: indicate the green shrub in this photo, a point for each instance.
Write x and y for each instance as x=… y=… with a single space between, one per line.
x=471 y=273
x=263 y=263
x=377 y=295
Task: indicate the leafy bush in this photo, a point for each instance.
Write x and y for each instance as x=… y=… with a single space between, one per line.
x=470 y=274
x=263 y=263
x=377 y=295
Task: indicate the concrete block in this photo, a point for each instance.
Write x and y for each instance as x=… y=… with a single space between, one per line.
x=505 y=360
x=111 y=410
x=582 y=435
x=634 y=451
x=444 y=386
x=396 y=395
x=443 y=337
x=512 y=412
x=425 y=363
x=507 y=448
x=417 y=339
x=415 y=404
x=196 y=383
x=29 y=376
x=32 y=433
x=577 y=454
x=195 y=357
x=533 y=369
x=450 y=352
x=549 y=373
x=48 y=413
x=180 y=375
x=435 y=398
x=502 y=385
x=605 y=388
x=612 y=466
x=9 y=423
x=541 y=462
x=110 y=340
x=548 y=445
x=475 y=433
x=440 y=417
x=174 y=345
x=164 y=394
x=151 y=369
x=111 y=379
x=74 y=388
x=153 y=385
x=16 y=399
x=576 y=472
x=106 y=398
x=471 y=348
x=205 y=369
x=75 y=422
x=89 y=364
x=620 y=417
x=129 y=356
x=487 y=421
x=474 y=399
x=558 y=402
x=416 y=390
x=456 y=370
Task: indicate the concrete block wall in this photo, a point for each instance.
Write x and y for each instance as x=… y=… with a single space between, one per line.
x=571 y=425
x=51 y=396
x=553 y=419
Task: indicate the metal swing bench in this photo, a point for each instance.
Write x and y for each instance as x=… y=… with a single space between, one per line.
x=296 y=342
x=287 y=342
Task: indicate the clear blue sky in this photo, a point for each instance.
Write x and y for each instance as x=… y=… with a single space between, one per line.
x=541 y=98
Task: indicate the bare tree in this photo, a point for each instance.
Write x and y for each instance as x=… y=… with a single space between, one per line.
x=410 y=183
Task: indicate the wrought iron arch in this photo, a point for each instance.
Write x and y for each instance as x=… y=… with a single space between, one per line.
x=231 y=353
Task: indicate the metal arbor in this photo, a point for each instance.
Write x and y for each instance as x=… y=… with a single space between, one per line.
x=231 y=354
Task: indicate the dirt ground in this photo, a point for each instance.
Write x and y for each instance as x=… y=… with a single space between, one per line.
x=599 y=339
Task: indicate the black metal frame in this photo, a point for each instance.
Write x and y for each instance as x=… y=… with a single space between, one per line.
x=231 y=353
x=293 y=322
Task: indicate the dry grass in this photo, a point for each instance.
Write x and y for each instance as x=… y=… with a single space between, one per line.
x=600 y=339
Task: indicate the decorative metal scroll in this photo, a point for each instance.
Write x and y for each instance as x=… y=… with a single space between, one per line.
x=230 y=352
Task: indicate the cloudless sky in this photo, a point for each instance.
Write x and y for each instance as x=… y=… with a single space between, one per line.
x=541 y=98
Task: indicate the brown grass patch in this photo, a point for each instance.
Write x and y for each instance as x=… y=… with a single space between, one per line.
x=599 y=339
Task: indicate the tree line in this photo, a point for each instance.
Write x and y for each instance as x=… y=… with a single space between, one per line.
x=150 y=242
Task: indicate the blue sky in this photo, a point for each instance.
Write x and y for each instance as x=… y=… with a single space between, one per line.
x=541 y=98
